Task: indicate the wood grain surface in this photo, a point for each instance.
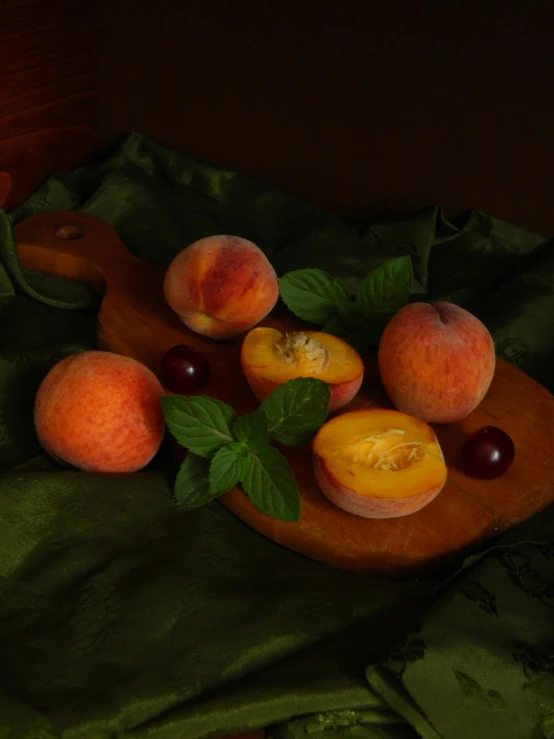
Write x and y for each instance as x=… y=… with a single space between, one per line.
x=48 y=91
x=135 y=320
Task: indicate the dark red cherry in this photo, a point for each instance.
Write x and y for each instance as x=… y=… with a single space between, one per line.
x=184 y=369
x=487 y=453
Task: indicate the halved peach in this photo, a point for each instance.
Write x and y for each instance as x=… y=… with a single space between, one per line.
x=270 y=358
x=378 y=463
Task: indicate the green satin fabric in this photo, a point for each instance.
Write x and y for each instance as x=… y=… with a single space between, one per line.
x=122 y=616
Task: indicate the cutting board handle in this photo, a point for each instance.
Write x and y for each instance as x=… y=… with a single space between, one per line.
x=84 y=248
x=75 y=245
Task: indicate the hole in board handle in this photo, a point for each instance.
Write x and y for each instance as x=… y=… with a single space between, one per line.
x=69 y=232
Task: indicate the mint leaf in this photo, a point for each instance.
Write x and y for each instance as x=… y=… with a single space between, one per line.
x=296 y=409
x=200 y=424
x=312 y=294
x=268 y=482
x=385 y=290
x=252 y=431
x=192 y=484
x=227 y=467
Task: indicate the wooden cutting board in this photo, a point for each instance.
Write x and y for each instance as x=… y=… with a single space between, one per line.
x=135 y=320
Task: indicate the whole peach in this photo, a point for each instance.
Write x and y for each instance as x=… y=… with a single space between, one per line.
x=100 y=412
x=221 y=286
x=436 y=361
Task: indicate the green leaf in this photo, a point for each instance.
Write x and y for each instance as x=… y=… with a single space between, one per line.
x=192 y=484
x=385 y=290
x=296 y=409
x=312 y=294
x=269 y=483
x=199 y=423
x=252 y=431
x=227 y=467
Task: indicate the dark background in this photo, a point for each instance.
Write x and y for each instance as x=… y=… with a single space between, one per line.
x=362 y=107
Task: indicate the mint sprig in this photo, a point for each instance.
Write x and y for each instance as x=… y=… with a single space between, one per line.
x=296 y=409
x=252 y=431
x=312 y=294
x=225 y=450
x=192 y=485
x=227 y=468
x=204 y=422
x=387 y=288
x=270 y=485
x=359 y=319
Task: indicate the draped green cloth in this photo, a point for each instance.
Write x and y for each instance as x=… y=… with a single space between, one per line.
x=124 y=616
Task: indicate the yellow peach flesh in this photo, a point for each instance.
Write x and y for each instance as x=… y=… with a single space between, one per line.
x=270 y=358
x=280 y=358
x=378 y=453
